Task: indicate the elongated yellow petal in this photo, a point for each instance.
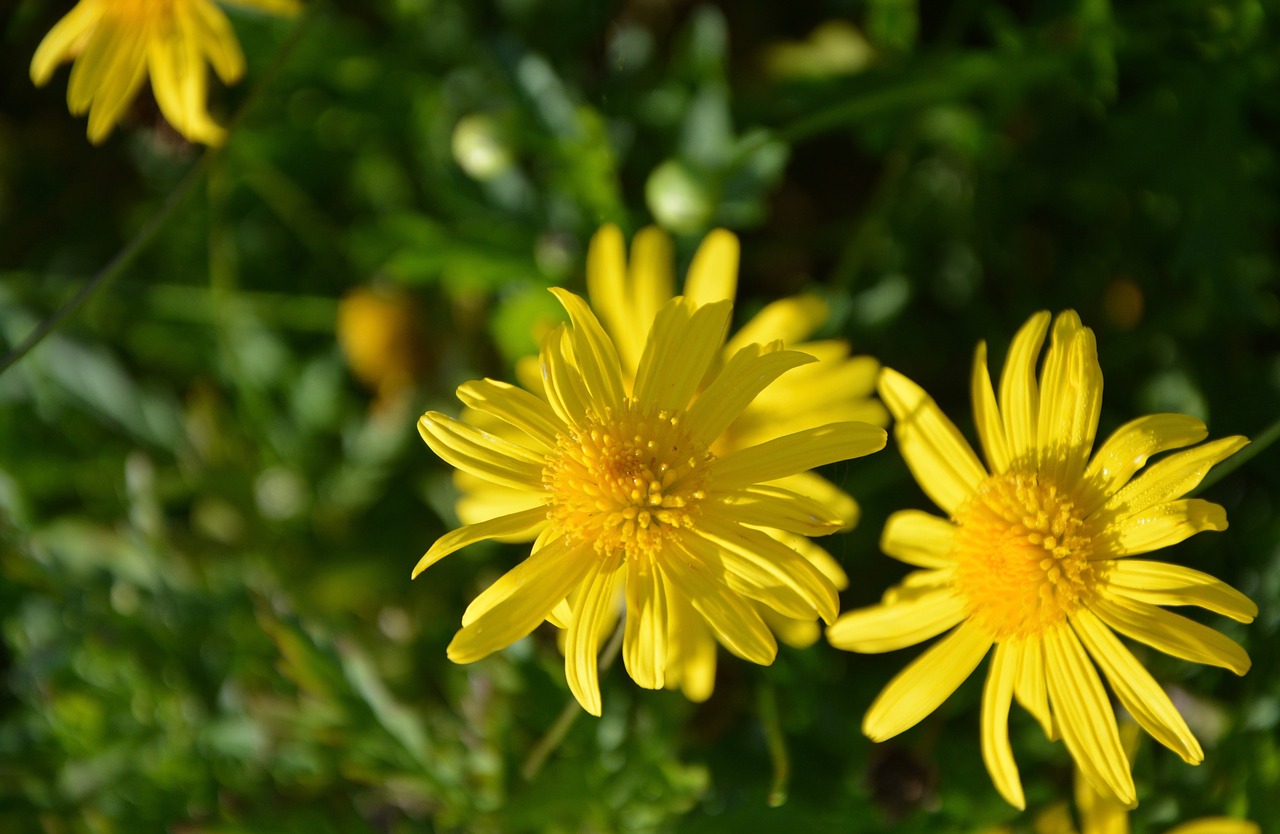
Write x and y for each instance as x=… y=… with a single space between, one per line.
x=771 y=506
x=1157 y=527
x=59 y=45
x=1031 y=688
x=1172 y=477
x=1128 y=449
x=515 y=524
x=743 y=576
x=890 y=626
x=1171 y=633
x=610 y=297
x=519 y=600
x=1070 y=400
x=734 y=621
x=582 y=646
x=652 y=284
x=1159 y=583
x=691 y=649
x=1019 y=394
x=789 y=320
x=941 y=460
x=89 y=71
x=922 y=686
x=120 y=80
x=986 y=414
x=562 y=382
x=513 y=406
x=216 y=39
x=818 y=488
x=919 y=539
x=744 y=376
x=1085 y=716
x=795 y=453
x=1137 y=690
x=597 y=359
x=481 y=453
x=996 y=752
x=644 y=644
x=713 y=273
x=681 y=347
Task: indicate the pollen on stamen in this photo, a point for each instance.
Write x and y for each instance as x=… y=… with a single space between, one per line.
x=626 y=481
x=1022 y=556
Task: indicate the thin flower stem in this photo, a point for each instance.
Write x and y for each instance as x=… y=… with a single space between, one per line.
x=1259 y=445
x=554 y=736
x=139 y=242
x=776 y=741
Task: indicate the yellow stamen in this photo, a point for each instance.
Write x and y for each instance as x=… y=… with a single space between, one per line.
x=1022 y=557
x=626 y=481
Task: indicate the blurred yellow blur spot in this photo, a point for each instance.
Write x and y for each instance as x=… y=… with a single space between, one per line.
x=382 y=341
x=1124 y=303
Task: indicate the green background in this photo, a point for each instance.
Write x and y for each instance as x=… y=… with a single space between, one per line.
x=207 y=524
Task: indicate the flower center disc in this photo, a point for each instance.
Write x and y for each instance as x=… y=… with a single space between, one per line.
x=1022 y=560
x=627 y=481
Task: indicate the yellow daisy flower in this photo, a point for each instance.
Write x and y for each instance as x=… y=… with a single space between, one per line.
x=630 y=495
x=627 y=296
x=115 y=44
x=1032 y=561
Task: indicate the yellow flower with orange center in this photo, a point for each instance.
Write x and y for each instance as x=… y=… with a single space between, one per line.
x=1033 y=564
x=117 y=44
x=628 y=495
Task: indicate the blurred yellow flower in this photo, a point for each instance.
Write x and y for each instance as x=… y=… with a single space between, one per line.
x=1032 y=561
x=627 y=493
x=837 y=387
x=116 y=44
x=381 y=338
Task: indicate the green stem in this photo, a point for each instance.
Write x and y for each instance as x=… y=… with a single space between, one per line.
x=776 y=741
x=555 y=735
x=126 y=256
x=1259 y=445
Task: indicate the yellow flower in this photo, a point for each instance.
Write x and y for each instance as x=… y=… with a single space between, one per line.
x=1031 y=561
x=115 y=44
x=837 y=387
x=629 y=494
x=1102 y=814
x=381 y=338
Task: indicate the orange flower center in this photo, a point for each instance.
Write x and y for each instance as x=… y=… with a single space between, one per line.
x=1022 y=556
x=627 y=481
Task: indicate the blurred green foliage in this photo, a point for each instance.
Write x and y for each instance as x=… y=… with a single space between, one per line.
x=207 y=525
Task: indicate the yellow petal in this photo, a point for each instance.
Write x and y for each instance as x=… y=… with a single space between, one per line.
x=996 y=752
x=790 y=320
x=818 y=488
x=1163 y=584
x=60 y=44
x=519 y=600
x=746 y=374
x=1216 y=825
x=766 y=505
x=1156 y=527
x=89 y=71
x=1070 y=400
x=644 y=644
x=941 y=460
x=514 y=406
x=1170 y=633
x=929 y=680
x=481 y=453
x=1128 y=449
x=1031 y=688
x=652 y=284
x=596 y=357
x=680 y=349
x=582 y=647
x=1085 y=717
x=713 y=273
x=795 y=453
x=919 y=539
x=1019 y=395
x=886 y=627
x=562 y=382
x=216 y=39
x=120 y=80
x=1137 y=690
x=691 y=650
x=519 y=523
x=1172 y=477
x=607 y=289
x=734 y=621
x=986 y=413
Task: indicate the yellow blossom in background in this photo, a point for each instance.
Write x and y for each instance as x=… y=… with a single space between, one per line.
x=116 y=44
x=1032 y=564
x=626 y=293
x=381 y=337
x=629 y=495
x=1102 y=814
